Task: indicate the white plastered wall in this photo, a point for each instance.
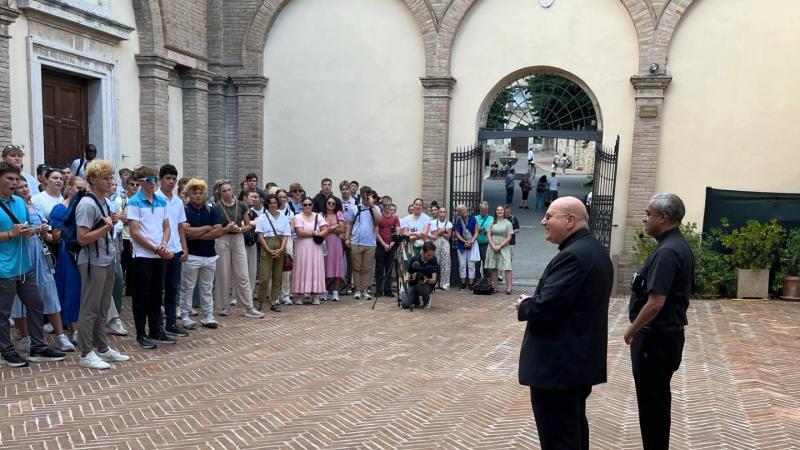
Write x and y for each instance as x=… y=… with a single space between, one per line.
x=732 y=109
x=344 y=99
x=176 y=128
x=127 y=88
x=593 y=40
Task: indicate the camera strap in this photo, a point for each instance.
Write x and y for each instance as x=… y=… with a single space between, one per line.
x=8 y=212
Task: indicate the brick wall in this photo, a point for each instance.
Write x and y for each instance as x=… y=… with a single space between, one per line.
x=154 y=109
x=7 y=16
x=185 y=26
x=195 y=123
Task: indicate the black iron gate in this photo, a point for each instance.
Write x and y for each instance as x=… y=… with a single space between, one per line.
x=466 y=178
x=601 y=212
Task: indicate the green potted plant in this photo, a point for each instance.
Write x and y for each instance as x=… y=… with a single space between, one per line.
x=790 y=266
x=754 y=248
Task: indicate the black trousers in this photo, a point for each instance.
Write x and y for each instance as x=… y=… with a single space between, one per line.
x=383 y=261
x=561 y=417
x=655 y=356
x=147 y=283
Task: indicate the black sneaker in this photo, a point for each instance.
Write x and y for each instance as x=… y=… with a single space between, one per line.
x=45 y=355
x=12 y=359
x=145 y=342
x=162 y=338
x=176 y=330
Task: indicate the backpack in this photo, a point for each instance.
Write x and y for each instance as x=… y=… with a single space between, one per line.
x=69 y=232
x=484 y=287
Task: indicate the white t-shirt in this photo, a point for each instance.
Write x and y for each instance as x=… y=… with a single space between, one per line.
x=415 y=225
x=44 y=203
x=553 y=183
x=531 y=156
x=436 y=224
x=265 y=222
x=176 y=213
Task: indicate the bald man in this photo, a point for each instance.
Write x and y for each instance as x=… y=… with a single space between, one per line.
x=564 y=349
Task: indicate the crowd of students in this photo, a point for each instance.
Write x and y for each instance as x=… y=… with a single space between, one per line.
x=188 y=253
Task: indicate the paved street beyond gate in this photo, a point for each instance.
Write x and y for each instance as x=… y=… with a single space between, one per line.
x=345 y=376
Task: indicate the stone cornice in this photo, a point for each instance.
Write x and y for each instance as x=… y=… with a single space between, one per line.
x=438 y=82
x=651 y=81
x=79 y=17
x=252 y=85
x=196 y=79
x=153 y=66
x=7 y=17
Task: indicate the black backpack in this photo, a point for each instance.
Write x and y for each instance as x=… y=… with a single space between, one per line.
x=484 y=287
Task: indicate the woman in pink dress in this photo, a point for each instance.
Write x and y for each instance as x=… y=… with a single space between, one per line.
x=334 y=260
x=308 y=274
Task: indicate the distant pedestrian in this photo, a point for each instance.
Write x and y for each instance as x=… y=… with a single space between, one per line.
x=541 y=192
x=509 y=186
x=525 y=186
x=553 y=188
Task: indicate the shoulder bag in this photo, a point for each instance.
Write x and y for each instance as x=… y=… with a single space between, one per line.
x=317 y=239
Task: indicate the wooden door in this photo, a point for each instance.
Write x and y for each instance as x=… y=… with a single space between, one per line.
x=65 y=110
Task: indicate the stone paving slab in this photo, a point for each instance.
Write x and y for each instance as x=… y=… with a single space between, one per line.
x=344 y=376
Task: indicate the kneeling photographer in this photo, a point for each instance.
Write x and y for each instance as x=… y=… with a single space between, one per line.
x=423 y=270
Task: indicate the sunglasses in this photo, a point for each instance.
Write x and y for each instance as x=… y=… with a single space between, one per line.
x=296 y=190
x=149 y=180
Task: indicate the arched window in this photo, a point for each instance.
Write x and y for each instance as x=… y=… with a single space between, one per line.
x=542 y=102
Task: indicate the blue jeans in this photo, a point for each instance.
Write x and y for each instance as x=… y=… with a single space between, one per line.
x=540 y=198
x=509 y=195
x=172 y=288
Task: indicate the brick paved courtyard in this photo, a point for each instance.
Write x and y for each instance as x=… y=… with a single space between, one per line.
x=344 y=376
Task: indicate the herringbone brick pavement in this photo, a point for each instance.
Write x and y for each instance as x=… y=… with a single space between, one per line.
x=344 y=376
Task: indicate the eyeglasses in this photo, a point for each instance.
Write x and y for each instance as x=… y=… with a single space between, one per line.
x=548 y=216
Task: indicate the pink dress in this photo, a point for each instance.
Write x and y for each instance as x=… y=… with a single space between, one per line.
x=308 y=274
x=334 y=260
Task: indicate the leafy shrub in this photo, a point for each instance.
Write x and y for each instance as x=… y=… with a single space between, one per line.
x=753 y=246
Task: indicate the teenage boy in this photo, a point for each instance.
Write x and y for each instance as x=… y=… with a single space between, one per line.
x=326 y=191
x=361 y=239
x=17 y=277
x=176 y=214
x=203 y=225
x=150 y=231
x=95 y=223
x=251 y=184
x=13 y=155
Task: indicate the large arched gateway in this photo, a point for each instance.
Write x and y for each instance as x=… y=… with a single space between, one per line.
x=547 y=110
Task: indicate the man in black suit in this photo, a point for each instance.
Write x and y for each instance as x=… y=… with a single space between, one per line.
x=564 y=349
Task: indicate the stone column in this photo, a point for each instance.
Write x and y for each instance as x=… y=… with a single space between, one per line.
x=644 y=164
x=195 y=123
x=7 y=17
x=435 y=136
x=250 y=114
x=154 y=108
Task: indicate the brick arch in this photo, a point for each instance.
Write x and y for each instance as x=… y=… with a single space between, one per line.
x=257 y=31
x=149 y=26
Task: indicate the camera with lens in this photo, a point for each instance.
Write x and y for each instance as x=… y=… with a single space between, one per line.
x=414 y=269
x=398 y=237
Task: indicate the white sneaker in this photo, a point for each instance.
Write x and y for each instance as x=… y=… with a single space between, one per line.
x=48 y=328
x=445 y=287
x=188 y=323
x=209 y=322
x=357 y=295
x=224 y=312
x=335 y=296
x=324 y=297
x=74 y=337
x=233 y=302
x=253 y=314
x=287 y=301
x=315 y=300
x=366 y=296
x=116 y=327
x=65 y=344
x=25 y=344
x=92 y=361
x=112 y=355
x=193 y=312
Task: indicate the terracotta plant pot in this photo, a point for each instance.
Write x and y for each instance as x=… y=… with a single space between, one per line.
x=791 y=289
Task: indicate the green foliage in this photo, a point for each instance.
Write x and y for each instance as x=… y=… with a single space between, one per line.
x=712 y=272
x=790 y=253
x=788 y=259
x=753 y=246
x=643 y=245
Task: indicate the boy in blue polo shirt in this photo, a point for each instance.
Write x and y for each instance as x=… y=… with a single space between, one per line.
x=149 y=226
x=17 y=277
